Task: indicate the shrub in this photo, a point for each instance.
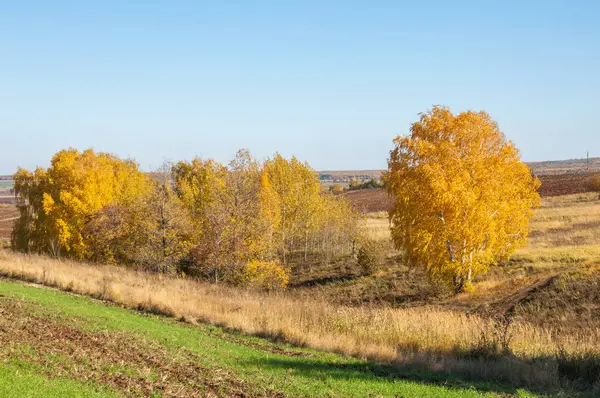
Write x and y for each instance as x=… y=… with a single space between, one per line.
x=597 y=185
x=336 y=189
x=356 y=184
x=267 y=275
x=371 y=255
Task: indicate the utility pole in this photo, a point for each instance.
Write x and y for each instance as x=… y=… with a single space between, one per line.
x=588 y=161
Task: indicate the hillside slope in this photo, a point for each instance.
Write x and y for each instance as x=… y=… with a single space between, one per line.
x=65 y=345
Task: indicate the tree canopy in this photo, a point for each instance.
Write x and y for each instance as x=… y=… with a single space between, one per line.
x=56 y=204
x=237 y=222
x=463 y=197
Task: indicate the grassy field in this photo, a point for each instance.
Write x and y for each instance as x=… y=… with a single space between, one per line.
x=422 y=339
x=18 y=380
x=60 y=344
x=531 y=323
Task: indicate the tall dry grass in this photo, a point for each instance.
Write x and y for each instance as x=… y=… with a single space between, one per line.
x=564 y=231
x=569 y=223
x=377 y=226
x=424 y=338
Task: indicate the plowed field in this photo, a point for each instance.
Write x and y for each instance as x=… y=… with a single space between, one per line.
x=7 y=215
x=375 y=200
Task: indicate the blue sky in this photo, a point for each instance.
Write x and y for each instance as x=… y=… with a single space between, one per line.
x=332 y=82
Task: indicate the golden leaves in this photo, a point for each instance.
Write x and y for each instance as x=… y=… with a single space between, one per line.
x=264 y=274
x=223 y=220
x=463 y=196
x=61 y=200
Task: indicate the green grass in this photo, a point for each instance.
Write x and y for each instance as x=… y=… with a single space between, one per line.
x=18 y=380
x=256 y=361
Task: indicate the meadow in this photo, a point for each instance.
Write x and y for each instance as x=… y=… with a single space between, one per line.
x=497 y=334
x=56 y=344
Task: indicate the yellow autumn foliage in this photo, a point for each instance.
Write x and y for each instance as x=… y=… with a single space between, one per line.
x=225 y=204
x=264 y=274
x=58 y=203
x=306 y=219
x=463 y=197
x=247 y=211
x=200 y=217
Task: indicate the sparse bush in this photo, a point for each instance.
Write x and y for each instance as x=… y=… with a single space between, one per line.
x=336 y=189
x=580 y=367
x=494 y=339
x=267 y=275
x=356 y=184
x=371 y=255
x=597 y=185
x=107 y=291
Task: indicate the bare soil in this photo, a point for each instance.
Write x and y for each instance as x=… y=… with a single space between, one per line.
x=505 y=306
x=8 y=213
x=369 y=200
x=567 y=184
x=569 y=301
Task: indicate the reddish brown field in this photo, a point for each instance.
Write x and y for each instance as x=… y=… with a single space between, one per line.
x=7 y=216
x=369 y=200
x=567 y=184
x=376 y=200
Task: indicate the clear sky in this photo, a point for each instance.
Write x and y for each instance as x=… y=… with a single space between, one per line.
x=330 y=81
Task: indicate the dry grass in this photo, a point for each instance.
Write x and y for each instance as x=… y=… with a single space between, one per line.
x=564 y=230
x=377 y=226
x=424 y=337
x=565 y=236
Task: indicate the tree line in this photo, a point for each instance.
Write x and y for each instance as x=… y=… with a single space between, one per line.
x=462 y=202
x=241 y=222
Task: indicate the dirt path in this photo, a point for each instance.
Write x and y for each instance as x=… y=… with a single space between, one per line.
x=505 y=306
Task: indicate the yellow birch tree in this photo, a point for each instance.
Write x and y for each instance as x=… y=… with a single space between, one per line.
x=63 y=199
x=463 y=197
